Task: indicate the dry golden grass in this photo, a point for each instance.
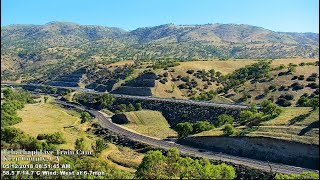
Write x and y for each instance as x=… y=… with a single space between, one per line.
x=122 y=63
x=150 y=123
x=224 y=67
x=49 y=118
x=167 y=90
x=121 y=164
x=278 y=62
x=288 y=114
x=126 y=157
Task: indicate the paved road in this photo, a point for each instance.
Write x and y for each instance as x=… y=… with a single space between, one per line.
x=105 y=121
x=184 y=101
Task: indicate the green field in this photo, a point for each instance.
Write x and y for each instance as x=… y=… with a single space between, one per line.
x=294 y=124
x=150 y=123
x=46 y=118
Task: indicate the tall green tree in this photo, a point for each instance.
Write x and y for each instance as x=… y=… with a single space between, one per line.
x=184 y=129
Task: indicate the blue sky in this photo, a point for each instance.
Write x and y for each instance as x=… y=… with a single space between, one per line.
x=277 y=15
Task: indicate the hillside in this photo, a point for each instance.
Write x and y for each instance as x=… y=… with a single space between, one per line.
x=33 y=49
x=151 y=123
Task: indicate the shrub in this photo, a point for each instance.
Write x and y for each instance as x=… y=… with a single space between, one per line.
x=313 y=85
x=270 y=109
x=130 y=108
x=272 y=87
x=287 y=96
x=283 y=102
x=294 y=78
x=224 y=119
x=229 y=130
x=190 y=71
x=41 y=136
x=55 y=138
x=311 y=78
x=200 y=126
x=184 y=129
x=138 y=106
x=162 y=81
x=122 y=107
x=85 y=116
x=301 y=77
x=80 y=144
x=303 y=101
x=297 y=86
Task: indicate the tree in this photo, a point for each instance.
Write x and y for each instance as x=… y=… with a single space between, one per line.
x=270 y=109
x=55 y=138
x=80 y=144
x=200 y=126
x=314 y=103
x=152 y=166
x=130 y=108
x=11 y=135
x=228 y=130
x=85 y=117
x=122 y=107
x=184 y=129
x=46 y=99
x=223 y=119
x=138 y=106
x=245 y=116
x=104 y=100
x=291 y=68
x=100 y=145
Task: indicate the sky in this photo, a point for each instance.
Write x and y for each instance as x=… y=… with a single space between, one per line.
x=276 y=15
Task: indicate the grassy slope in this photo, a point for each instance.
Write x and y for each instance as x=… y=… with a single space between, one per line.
x=150 y=123
x=292 y=122
x=257 y=89
x=229 y=66
x=49 y=118
x=121 y=158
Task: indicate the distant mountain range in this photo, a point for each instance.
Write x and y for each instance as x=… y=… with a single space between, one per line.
x=26 y=45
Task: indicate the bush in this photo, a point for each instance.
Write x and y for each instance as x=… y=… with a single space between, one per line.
x=301 y=77
x=270 y=109
x=55 y=138
x=287 y=96
x=85 y=117
x=190 y=71
x=229 y=130
x=130 y=108
x=313 y=85
x=224 y=119
x=138 y=106
x=80 y=144
x=297 y=86
x=122 y=107
x=184 y=129
x=283 y=102
x=200 y=126
x=162 y=81
x=311 y=78
x=41 y=136
x=272 y=87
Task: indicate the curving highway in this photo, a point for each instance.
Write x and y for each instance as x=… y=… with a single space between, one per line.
x=105 y=122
